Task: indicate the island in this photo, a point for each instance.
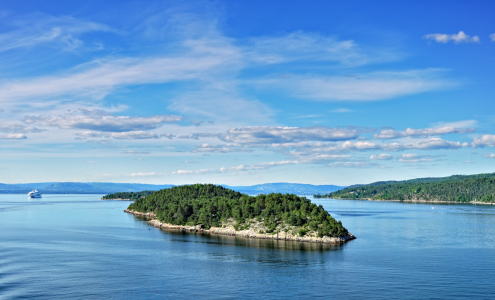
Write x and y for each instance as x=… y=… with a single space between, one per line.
x=129 y=196
x=218 y=210
x=476 y=189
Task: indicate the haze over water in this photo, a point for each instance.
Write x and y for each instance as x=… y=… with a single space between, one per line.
x=75 y=246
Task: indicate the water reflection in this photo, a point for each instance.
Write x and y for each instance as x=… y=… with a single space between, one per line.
x=210 y=238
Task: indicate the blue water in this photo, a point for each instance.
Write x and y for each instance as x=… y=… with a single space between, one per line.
x=77 y=247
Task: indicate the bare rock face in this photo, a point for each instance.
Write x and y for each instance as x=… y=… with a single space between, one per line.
x=255 y=229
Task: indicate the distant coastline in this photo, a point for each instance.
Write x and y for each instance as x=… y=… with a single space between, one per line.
x=228 y=229
x=414 y=201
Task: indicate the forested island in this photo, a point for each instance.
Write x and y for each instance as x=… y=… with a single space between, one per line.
x=478 y=188
x=127 y=195
x=215 y=209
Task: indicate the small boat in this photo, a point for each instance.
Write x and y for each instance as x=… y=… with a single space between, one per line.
x=34 y=194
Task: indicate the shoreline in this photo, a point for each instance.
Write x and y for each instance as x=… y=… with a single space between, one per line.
x=118 y=199
x=414 y=201
x=230 y=230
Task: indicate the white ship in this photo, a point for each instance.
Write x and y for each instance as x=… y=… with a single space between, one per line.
x=34 y=194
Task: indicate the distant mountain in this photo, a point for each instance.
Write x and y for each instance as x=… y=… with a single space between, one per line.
x=286 y=188
x=109 y=187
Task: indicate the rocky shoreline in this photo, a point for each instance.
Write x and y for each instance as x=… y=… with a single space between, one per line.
x=228 y=229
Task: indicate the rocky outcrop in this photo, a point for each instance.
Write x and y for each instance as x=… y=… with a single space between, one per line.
x=254 y=230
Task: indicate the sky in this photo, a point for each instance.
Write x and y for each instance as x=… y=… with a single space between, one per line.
x=245 y=92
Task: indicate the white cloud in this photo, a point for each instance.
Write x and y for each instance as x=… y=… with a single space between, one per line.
x=458 y=124
x=485 y=140
x=269 y=135
x=135 y=152
x=10 y=127
x=470 y=162
x=341 y=110
x=461 y=37
x=228 y=105
x=149 y=174
x=414 y=158
x=256 y=166
x=492 y=37
x=391 y=134
x=366 y=87
x=304 y=46
x=356 y=164
x=119 y=135
x=40 y=28
x=102 y=122
x=219 y=148
x=12 y=136
x=489 y=155
x=98 y=78
x=381 y=157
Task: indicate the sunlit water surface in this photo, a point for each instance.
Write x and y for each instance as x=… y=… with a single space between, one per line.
x=78 y=247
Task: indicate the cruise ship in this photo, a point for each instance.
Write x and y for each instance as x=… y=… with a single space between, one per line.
x=34 y=194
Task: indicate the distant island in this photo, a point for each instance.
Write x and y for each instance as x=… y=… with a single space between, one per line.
x=131 y=196
x=458 y=189
x=216 y=209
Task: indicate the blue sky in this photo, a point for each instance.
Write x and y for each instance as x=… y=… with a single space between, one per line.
x=245 y=92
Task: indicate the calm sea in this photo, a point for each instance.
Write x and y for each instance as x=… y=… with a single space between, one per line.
x=77 y=247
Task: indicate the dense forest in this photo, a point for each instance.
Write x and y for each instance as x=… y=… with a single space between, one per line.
x=210 y=205
x=127 y=195
x=458 y=188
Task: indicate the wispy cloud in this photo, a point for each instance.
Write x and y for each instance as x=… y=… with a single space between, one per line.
x=10 y=127
x=356 y=164
x=492 y=37
x=98 y=78
x=149 y=174
x=102 y=122
x=306 y=46
x=34 y=29
x=269 y=135
x=414 y=158
x=366 y=87
x=12 y=136
x=426 y=144
x=256 y=166
x=204 y=148
x=341 y=110
x=489 y=155
x=460 y=37
x=135 y=152
x=381 y=157
x=392 y=134
x=119 y=135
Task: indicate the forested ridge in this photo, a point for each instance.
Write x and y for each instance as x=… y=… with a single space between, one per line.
x=127 y=195
x=458 y=188
x=211 y=205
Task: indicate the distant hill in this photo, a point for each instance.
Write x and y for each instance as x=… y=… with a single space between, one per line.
x=456 y=188
x=109 y=187
x=285 y=188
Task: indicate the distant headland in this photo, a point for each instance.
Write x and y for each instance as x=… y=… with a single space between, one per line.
x=475 y=189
